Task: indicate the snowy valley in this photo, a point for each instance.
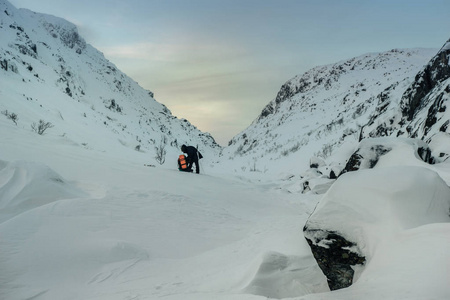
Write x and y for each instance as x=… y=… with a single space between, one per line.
x=339 y=189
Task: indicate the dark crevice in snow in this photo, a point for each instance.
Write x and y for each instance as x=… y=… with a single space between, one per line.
x=334 y=257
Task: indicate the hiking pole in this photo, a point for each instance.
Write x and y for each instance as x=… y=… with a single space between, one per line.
x=199 y=163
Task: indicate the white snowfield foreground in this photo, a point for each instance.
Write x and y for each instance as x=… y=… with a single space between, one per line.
x=113 y=229
x=134 y=232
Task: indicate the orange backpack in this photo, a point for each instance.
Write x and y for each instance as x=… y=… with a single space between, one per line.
x=183 y=163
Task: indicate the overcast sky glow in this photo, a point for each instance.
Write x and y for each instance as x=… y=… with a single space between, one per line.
x=217 y=63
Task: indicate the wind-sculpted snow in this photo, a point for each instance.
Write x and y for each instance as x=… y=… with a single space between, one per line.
x=26 y=185
x=280 y=276
x=153 y=233
x=150 y=232
x=377 y=205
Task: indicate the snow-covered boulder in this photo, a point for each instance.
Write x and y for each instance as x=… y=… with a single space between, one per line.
x=440 y=146
x=370 y=150
x=367 y=207
x=313 y=180
x=316 y=162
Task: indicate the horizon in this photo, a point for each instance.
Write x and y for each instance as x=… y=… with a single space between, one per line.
x=219 y=64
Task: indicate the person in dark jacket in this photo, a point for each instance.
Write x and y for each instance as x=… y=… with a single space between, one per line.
x=193 y=155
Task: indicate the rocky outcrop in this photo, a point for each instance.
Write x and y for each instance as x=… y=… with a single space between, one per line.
x=421 y=111
x=368 y=207
x=334 y=257
x=440 y=147
x=369 y=152
x=314 y=113
x=437 y=70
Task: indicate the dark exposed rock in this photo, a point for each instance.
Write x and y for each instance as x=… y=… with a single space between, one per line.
x=421 y=112
x=432 y=116
x=444 y=126
x=367 y=209
x=316 y=162
x=353 y=163
x=333 y=175
x=437 y=70
x=333 y=256
x=4 y=64
x=370 y=150
x=26 y=50
x=366 y=158
x=34 y=48
x=425 y=154
x=266 y=111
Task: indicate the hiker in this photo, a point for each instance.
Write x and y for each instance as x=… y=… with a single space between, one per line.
x=193 y=155
x=182 y=164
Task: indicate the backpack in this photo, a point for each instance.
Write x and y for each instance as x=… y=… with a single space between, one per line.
x=182 y=162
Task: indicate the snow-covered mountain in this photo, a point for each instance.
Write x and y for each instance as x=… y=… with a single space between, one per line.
x=48 y=72
x=316 y=112
x=81 y=217
x=422 y=110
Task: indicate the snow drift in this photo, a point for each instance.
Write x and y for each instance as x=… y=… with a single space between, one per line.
x=376 y=204
x=27 y=185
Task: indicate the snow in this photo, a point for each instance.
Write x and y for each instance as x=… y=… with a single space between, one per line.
x=82 y=217
x=445 y=47
x=110 y=228
x=64 y=69
x=317 y=112
x=416 y=197
x=412 y=265
x=142 y=231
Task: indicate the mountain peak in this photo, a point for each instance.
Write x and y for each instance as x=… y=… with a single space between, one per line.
x=50 y=73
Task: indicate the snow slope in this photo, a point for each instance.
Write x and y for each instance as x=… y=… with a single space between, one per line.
x=108 y=227
x=146 y=232
x=48 y=72
x=317 y=112
x=422 y=110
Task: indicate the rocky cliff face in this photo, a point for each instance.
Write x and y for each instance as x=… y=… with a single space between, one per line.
x=316 y=112
x=422 y=110
x=436 y=72
x=49 y=72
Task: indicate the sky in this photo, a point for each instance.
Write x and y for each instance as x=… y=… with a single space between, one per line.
x=217 y=63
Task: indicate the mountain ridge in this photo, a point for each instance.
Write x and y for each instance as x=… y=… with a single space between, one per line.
x=325 y=107
x=421 y=110
x=50 y=73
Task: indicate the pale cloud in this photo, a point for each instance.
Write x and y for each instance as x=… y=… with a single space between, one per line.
x=174 y=52
x=201 y=82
